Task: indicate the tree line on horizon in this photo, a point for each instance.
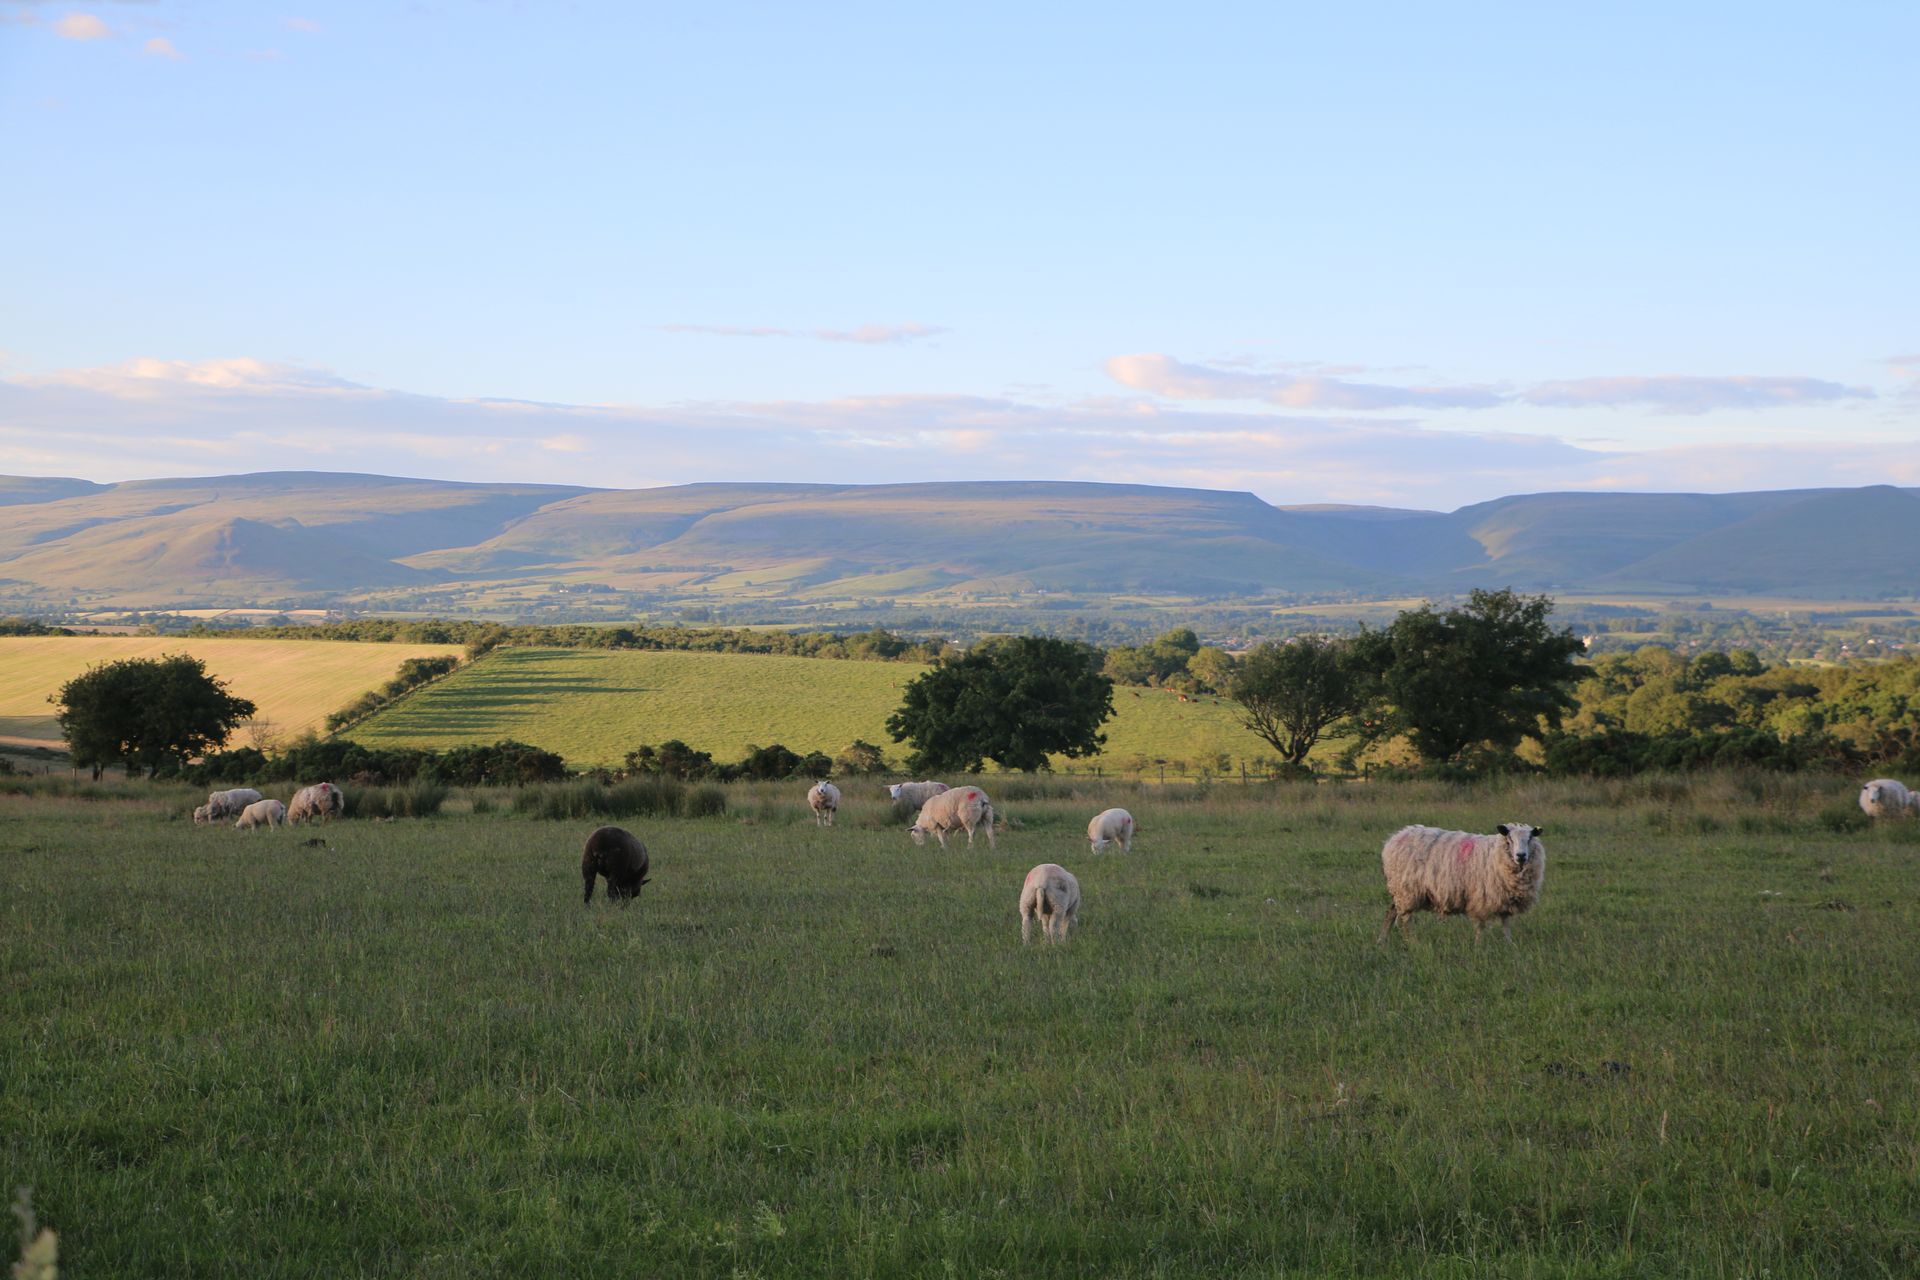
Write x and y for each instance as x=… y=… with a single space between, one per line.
x=1459 y=691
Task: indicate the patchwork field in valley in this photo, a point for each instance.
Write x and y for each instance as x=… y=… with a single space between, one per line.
x=593 y=706
x=295 y=683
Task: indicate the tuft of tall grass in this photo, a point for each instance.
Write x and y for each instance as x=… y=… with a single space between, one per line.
x=409 y=800
x=635 y=797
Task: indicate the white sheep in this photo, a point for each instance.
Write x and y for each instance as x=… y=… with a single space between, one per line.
x=203 y=814
x=1052 y=896
x=1113 y=826
x=1885 y=798
x=224 y=804
x=267 y=813
x=1484 y=877
x=962 y=808
x=321 y=800
x=824 y=800
x=915 y=793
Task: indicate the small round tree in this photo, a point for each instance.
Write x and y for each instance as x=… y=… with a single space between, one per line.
x=146 y=713
x=1015 y=701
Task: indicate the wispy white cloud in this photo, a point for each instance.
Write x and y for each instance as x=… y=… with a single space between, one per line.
x=300 y=24
x=1291 y=387
x=868 y=334
x=81 y=26
x=1162 y=375
x=155 y=417
x=161 y=47
x=1675 y=393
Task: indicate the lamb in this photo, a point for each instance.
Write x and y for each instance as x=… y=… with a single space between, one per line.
x=1454 y=873
x=1114 y=826
x=915 y=793
x=203 y=814
x=962 y=808
x=1052 y=896
x=1885 y=798
x=267 y=813
x=824 y=800
x=321 y=800
x=224 y=804
x=617 y=854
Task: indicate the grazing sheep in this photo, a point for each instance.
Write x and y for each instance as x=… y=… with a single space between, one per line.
x=1052 y=896
x=321 y=800
x=267 y=813
x=617 y=854
x=915 y=793
x=1885 y=798
x=224 y=804
x=203 y=814
x=965 y=808
x=1114 y=826
x=1455 y=873
x=824 y=800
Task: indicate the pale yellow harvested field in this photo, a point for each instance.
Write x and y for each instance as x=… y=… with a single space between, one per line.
x=295 y=683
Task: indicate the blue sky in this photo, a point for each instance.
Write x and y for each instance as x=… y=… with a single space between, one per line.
x=1413 y=254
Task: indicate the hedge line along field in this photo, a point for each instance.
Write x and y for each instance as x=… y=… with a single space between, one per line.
x=593 y=706
x=406 y=1048
x=296 y=684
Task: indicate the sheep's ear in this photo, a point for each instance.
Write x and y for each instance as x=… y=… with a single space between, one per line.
x=1502 y=828
x=1538 y=832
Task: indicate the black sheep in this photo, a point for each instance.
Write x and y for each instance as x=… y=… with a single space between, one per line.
x=615 y=853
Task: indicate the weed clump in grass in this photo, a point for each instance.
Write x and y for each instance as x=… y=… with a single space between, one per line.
x=1842 y=819
x=585 y=798
x=409 y=800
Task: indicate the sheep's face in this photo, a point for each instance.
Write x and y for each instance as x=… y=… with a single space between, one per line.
x=893 y=792
x=919 y=836
x=1520 y=838
x=1873 y=793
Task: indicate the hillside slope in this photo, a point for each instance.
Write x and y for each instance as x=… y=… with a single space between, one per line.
x=308 y=537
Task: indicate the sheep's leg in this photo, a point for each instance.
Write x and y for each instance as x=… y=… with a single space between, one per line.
x=1506 y=927
x=590 y=877
x=1026 y=928
x=1479 y=927
x=1393 y=914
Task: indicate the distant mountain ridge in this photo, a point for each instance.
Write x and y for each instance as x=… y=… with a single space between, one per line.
x=286 y=535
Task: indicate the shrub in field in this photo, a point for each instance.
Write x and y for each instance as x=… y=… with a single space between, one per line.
x=769 y=762
x=860 y=757
x=672 y=758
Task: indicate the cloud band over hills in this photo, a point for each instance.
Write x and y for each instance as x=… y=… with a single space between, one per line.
x=157 y=417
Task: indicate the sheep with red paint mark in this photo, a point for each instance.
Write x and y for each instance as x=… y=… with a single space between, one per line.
x=1451 y=873
x=960 y=809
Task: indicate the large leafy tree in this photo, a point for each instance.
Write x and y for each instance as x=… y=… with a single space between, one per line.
x=1014 y=701
x=1492 y=672
x=144 y=713
x=1297 y=693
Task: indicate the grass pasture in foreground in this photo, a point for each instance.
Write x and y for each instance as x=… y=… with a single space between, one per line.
x=408 y=1050
x=593 y=706
x=296 y=684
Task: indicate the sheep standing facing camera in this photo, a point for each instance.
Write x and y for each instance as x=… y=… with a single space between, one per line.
x=1450 y=873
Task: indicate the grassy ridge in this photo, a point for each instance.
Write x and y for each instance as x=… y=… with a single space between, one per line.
x=412 y=1052
x=294 y=684
x=594 y=706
